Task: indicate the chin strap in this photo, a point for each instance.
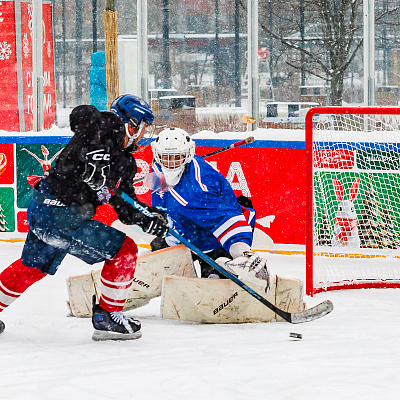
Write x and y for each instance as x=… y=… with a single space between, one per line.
x=133 y=137
x=131 y=148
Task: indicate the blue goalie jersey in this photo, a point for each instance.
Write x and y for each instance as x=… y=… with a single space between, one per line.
x=204 y=208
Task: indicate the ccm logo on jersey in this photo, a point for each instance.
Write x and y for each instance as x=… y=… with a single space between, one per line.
x=99 y=157
x=52 y=202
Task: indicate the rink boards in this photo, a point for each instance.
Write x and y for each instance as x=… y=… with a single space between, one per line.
x=270 y=172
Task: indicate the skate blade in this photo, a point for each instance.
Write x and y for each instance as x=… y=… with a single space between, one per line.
x=107 y=335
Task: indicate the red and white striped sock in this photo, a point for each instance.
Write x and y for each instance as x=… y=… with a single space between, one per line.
x=14 y=280
x=117 y=277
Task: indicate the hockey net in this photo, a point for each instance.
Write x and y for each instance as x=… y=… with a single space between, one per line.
x=353 y=195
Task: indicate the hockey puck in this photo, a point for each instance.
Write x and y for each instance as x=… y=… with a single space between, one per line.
x=296 y=335
x=2 y=326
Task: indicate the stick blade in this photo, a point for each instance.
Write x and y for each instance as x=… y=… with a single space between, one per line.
x=313 y=313
x=250 y=139
x=248 y=120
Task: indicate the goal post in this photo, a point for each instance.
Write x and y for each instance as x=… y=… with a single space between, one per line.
x=353 y=198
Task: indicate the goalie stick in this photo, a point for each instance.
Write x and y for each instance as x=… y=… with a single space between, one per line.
x=249 y=139
x=315 y=312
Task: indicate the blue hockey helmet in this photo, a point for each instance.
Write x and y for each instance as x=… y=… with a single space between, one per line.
x=132 y=110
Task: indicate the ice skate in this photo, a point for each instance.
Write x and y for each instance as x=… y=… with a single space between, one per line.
x=2 y=326
x=113 y=325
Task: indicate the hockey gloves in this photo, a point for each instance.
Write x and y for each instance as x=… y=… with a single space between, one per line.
x=250 y=267
x=97 y=167
x=155 y=225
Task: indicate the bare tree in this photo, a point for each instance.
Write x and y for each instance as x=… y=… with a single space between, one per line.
x=323 y=36
x=332 y=38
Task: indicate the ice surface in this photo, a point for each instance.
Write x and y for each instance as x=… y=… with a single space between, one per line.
x=352 y=353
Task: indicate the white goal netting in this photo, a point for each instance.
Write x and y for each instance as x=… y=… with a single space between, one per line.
x=356 y=192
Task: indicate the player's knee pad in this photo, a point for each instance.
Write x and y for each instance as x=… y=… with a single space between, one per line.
x=127 y=251
x=117 y=276
x=124 y=262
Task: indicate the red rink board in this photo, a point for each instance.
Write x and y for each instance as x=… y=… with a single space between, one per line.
x=273 y=178
x=270 y=173
x=9 y=117
x=8 y=73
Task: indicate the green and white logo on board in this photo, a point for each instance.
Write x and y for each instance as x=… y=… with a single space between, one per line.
x=32 y=161
x=7 y=212
x=378 y=160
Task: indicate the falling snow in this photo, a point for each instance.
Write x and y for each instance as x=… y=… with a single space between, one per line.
x=5 y=51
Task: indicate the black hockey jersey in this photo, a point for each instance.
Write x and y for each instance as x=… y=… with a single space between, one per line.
x=92 y=128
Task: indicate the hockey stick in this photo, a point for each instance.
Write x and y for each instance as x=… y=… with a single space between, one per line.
x=250 y=139
x=295 y=318
x=248 y=120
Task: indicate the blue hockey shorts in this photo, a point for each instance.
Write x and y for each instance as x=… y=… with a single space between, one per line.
x=57 y=230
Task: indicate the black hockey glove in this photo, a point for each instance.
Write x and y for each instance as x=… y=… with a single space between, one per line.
x=97 y=167
x=155 y=225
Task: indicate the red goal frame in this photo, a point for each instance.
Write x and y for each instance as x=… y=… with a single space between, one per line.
x=310 y=289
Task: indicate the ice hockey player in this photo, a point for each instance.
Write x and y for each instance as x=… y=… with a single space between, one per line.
x=204 y=209
x=97 y=159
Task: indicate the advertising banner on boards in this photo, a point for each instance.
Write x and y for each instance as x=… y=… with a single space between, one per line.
x=16 y=86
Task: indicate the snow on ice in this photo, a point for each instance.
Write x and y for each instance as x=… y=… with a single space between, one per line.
x=352 y=353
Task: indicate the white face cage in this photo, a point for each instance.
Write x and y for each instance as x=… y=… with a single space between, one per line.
x=173 y=150
x=172 y=161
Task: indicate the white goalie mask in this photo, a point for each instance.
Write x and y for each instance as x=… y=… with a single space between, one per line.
x=173 y=150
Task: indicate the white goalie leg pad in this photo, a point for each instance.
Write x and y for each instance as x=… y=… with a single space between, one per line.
x=221 y=301
x=147 y=282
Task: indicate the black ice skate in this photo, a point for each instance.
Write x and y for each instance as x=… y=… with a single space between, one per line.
x=2 y=326
x=113 y=325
